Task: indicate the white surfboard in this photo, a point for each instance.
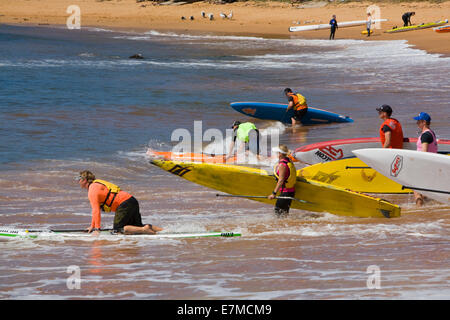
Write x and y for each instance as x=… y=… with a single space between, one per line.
x=425 y=172
x=327 y=26
x=341 y=149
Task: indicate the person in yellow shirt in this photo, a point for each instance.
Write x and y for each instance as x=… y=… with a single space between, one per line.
x=297 y=102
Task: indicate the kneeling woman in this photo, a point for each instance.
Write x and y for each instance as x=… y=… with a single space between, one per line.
x=286 y=175
x=108 y=197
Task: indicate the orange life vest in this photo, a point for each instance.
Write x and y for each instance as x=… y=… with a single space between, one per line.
x=396 y=133
x=299 y=101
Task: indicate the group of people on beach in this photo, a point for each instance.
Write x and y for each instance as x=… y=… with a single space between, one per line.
x=406 y=17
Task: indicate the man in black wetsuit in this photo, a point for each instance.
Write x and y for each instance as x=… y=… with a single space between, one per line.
x=406 y=17
x=334 y=26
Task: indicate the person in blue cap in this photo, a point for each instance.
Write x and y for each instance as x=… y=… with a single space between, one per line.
x=427 y=142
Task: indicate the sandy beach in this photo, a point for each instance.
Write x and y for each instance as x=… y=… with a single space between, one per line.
x=269 y=19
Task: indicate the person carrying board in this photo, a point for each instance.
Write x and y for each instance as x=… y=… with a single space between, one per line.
x=427 y=142
x=333 y=26
x=298 y=103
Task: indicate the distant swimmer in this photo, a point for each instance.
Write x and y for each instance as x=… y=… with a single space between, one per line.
x=297 y=102
x=334 y=26
x=286 y=175
x=108 y=197
x=406 y=17
x=427 y=142
x=137 y=56
x=248 y=136
x=391 y=132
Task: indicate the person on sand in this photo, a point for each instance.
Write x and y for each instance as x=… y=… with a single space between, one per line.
x=391 y=132
x=406 y=17
x=286 y=175
x=427 y=142
x=297 y=102
x=334 y=26
x=108 y=197
x=369 y=23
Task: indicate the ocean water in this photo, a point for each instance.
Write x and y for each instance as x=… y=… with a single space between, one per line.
x=72 y=100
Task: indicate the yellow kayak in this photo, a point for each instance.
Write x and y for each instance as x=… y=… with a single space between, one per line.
x=313 y=195
x=351 y=174
x=417 y=27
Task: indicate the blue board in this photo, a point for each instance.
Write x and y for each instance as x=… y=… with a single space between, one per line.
x=277 y=111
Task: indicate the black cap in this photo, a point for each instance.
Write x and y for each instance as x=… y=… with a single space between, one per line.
x=385 y=108
x=236 y=123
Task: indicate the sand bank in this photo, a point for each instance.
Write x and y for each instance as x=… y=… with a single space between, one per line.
x=269 y=19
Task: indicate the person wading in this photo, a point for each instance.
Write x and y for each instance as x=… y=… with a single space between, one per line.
x=286 y=175
x=248 y=136
x=108 y=197
x=391 y=132
x=427 y=142
x=297 y=102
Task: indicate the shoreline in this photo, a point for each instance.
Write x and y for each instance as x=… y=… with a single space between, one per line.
x=267 y=19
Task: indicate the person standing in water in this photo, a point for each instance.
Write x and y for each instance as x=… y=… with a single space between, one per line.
x=298 y=103
x=427 y=142
x=108 y=197
x=391 y=132
x=334 y=26
x=248 y=137
x=286 y=175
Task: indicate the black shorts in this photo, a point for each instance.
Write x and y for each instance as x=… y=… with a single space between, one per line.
x=298 y=114
x=127 y=214
x=282 y=205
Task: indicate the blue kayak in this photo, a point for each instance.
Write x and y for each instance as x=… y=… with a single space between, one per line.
x=277 y=111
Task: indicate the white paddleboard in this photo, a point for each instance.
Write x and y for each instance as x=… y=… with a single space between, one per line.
x=425 y=172
x=107 y=235
x=342 y=149
x=327 y=26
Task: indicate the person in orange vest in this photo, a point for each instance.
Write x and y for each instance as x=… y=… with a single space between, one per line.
x=391 y=132
x=108 y=197
x=297 y=102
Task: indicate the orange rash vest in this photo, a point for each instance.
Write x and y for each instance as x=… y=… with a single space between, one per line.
x=97 y=194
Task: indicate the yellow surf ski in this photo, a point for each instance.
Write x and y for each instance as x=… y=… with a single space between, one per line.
x=351 y=174
x=316 y=196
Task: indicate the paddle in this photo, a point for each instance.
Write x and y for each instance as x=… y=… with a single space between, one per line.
x=422 y=189
x=66 y=230
x=349 y=167
x=261 y=197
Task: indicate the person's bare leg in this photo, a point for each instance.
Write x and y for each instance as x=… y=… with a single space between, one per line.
x=147 y=229
x=419 y=199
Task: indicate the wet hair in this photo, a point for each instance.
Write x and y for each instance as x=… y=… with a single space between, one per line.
x=287 y=90
x=89 y=176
